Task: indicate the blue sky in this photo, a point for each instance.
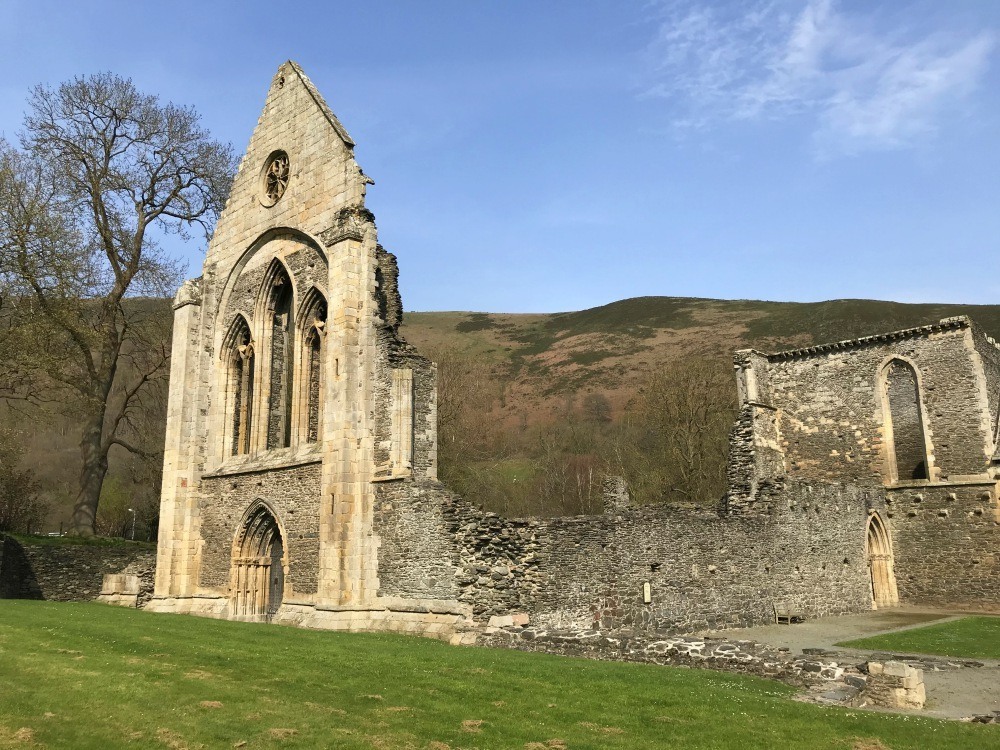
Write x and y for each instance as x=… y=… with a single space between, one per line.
x=545 y=156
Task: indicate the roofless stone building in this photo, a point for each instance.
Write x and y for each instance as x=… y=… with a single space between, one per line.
x=299 y=480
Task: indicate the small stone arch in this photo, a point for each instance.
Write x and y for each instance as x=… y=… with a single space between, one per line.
x=906 y=448
x=878 y=550
x=259 y=558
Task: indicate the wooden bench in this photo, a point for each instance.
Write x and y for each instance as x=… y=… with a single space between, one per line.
x=785 y=615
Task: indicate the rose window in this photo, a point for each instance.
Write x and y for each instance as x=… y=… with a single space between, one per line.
x=275 y=177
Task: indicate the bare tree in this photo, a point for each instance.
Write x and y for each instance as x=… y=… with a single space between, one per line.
x=103 y=170
x=674 y=443
x=21 y=507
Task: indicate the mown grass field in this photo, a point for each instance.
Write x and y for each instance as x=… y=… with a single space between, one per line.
x=970 y=637
x=93 y=676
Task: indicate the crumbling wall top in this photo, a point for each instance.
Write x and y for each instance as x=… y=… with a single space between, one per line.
x=946 y=324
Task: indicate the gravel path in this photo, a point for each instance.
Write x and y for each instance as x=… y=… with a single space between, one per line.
x=952 y=692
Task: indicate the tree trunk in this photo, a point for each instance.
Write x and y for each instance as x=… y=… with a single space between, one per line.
x=95 y=467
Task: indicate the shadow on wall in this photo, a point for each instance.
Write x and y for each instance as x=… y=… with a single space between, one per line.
x=17 y=577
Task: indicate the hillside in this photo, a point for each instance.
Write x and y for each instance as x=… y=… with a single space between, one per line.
x=547 y=358
x=532 y=405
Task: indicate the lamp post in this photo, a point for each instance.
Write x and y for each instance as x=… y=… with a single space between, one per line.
x=132 y=535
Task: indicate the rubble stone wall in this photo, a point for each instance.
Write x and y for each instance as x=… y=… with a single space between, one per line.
x=828 y=405
x=699 y=569
x=945 y=545
x=292 y=493
x=67 y=572
x=831 y=413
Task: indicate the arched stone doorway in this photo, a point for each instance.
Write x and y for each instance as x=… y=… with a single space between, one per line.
x=879 y=552
x=258 y=571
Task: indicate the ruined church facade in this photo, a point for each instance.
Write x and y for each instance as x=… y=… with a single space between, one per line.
x=291 y=394
x=300 y=486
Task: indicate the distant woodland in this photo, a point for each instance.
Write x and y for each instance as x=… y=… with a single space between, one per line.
x=534 y=410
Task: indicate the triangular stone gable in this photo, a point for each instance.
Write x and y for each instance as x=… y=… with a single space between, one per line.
x=324 y=178
x=320 y=101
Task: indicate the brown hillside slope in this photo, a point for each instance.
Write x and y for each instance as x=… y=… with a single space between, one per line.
x=544 y=359
x=513 y=419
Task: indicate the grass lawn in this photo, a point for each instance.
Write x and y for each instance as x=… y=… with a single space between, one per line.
x=94 y=676
x=970 y=637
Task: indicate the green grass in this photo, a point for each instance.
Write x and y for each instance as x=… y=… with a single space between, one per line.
x=970 y=637
x=92 y=676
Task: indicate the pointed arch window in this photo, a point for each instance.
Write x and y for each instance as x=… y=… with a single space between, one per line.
x=280 y=354
x=906 y=443
x=312 y=370
x=241 y=377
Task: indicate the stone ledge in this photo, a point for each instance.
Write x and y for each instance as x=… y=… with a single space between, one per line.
x=280 y=459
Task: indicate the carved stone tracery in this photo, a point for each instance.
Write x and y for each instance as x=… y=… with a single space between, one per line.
x=276 y=175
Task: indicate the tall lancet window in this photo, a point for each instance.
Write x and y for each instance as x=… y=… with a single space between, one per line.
x=907 y=444
x=312 y=352
x=241 y=365
x=279 y=320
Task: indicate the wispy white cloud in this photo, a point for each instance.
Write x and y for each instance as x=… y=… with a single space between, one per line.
x=862 y=87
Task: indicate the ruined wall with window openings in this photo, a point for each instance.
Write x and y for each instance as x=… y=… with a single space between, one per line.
x=912 y=413
x=300 y=486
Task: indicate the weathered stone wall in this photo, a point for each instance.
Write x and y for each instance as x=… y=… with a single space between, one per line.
x=67 y=572
x=945 y=541
x=293 y=494
x=831 y=423
x=756 y=462
x=703 y=569
x=416 y=553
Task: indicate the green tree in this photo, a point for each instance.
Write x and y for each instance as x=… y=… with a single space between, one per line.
x=102 y=172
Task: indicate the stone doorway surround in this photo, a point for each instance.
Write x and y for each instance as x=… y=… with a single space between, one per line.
x=880 y=565
x=258 y=567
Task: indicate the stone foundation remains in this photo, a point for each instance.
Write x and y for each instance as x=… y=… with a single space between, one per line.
x=893 y=684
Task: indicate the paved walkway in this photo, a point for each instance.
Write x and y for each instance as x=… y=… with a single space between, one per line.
x=951 y=693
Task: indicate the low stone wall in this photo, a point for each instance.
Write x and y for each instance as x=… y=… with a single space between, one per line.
x=69 y=572
x=847 y=678
x=651 y=568
x=743 y=656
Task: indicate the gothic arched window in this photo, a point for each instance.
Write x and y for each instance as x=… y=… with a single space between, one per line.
x=903 y=418
x=241 y=374
x=278 y=319
x=312 y=369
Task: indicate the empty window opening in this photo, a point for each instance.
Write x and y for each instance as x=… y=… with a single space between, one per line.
x=241 y=373
x=279 y=417
x=908 y=443
x=313 y=351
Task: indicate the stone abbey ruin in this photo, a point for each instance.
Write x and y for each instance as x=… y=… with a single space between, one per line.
x=300 y=486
